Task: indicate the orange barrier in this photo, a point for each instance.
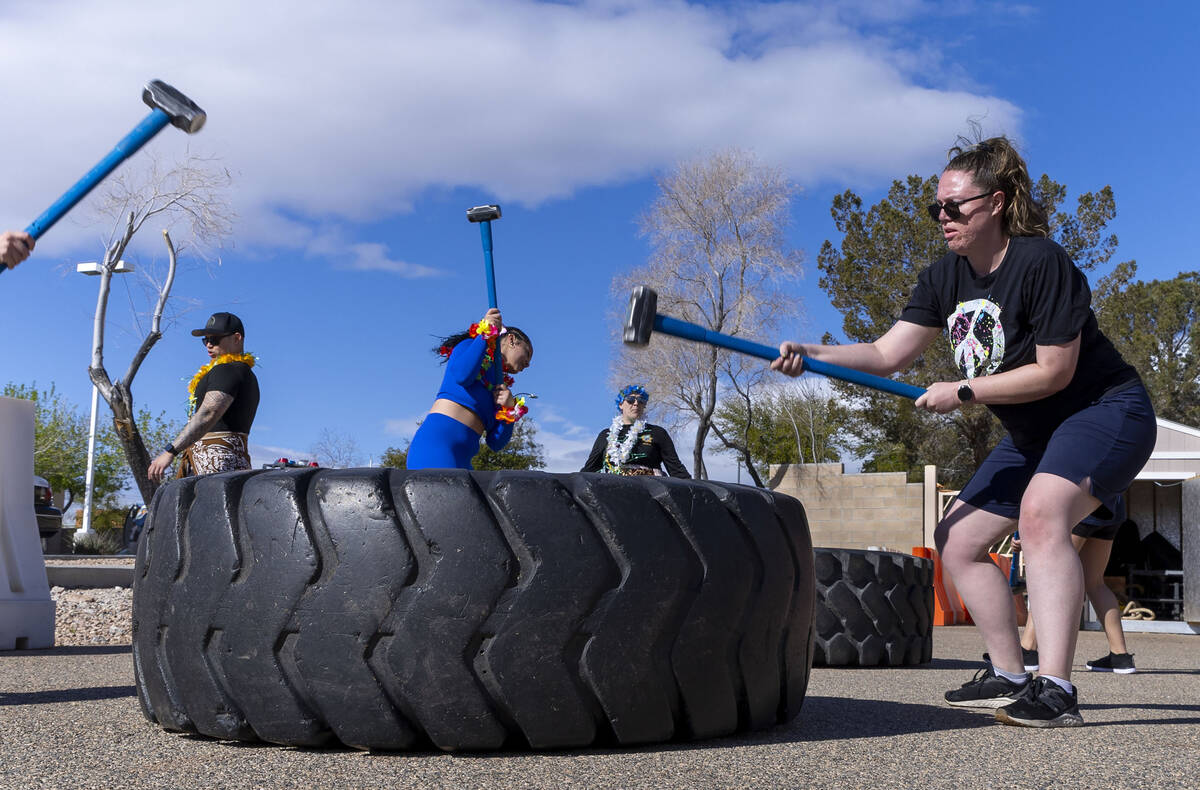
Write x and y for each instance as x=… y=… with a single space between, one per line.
x=948 y=606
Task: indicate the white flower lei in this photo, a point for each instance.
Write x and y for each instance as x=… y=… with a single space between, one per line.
x=618 y=453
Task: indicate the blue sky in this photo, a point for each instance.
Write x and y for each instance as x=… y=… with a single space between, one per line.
x=358 y=134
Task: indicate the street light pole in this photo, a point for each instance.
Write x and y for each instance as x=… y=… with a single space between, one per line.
x=91 y=467
x=93 y=269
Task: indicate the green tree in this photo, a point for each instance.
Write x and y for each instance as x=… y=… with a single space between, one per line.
x=1156 y=327
x=60 y=446
x=521 y=452
x=868 y=278
x=396 y=457
x=781 y=425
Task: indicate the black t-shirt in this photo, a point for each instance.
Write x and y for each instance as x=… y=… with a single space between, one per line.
x=238 y=380
x=653 y=449
x=1037 y=296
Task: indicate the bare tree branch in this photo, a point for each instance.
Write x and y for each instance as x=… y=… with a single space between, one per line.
x=190 y=194
x=719 y=260
x=336 y=450
x=155 y=333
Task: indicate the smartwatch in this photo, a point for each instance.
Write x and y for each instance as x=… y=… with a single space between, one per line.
x=965 y=393
x=170 y=448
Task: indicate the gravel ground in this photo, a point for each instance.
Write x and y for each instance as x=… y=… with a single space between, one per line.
x=89 y=559
x=92 y=617
x=69 y=719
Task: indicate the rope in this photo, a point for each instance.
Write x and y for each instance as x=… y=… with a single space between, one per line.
x=1134 y=612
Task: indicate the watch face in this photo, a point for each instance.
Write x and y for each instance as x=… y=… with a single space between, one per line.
x=965 y=393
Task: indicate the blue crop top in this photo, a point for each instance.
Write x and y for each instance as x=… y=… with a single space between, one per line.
x=461 y=385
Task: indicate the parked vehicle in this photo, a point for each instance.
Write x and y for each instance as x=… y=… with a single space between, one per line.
x=49 y=518
x=285 y=463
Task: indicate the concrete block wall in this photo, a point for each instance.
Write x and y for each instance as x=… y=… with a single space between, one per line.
x=855 y=511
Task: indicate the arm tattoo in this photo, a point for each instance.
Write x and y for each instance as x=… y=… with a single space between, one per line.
x=212 y=408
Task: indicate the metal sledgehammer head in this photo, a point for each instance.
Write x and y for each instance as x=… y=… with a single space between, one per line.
x=483 y=213
x=639 y=323
x=182 y=111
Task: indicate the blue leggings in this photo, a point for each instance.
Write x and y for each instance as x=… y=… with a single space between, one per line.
x=442 y=443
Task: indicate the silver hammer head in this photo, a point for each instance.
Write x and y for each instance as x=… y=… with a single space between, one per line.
x=183 y=112
x=483 y=213
x=639 y=322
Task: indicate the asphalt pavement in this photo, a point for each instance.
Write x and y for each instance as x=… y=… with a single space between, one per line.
x=69 y=718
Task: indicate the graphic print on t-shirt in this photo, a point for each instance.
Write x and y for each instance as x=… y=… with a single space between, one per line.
x=977 y=337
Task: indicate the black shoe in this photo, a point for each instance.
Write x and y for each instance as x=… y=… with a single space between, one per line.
x=1031 y=660
x=986 y=690
x=1044 y=704
x=1121 y=663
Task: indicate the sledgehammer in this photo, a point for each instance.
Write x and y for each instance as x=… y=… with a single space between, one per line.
x=167 y=106
x=643 y=320
x=484 y=216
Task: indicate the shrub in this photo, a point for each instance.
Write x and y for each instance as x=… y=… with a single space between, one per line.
x=102 y=541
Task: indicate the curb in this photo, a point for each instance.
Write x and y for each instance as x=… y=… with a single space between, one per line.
x=89 y=576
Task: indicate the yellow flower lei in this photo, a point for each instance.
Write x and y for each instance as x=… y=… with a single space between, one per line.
x=195 y=382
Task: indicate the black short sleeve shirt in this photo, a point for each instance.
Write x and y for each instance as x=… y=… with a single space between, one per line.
x=1037 y=296
x=238 y=380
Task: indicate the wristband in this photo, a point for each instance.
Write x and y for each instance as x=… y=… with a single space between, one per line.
x=170 y=448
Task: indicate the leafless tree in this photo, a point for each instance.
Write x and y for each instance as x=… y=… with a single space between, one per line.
x=191 y=195
x=336 y=450
x=719 y=259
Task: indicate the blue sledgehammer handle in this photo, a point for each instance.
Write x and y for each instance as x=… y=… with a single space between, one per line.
x=489 y=271
x=673 y=326
x=141 y=134
x=485 y=232
x=129 y=145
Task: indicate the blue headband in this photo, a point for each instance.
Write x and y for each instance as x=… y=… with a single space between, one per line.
x=632 y=389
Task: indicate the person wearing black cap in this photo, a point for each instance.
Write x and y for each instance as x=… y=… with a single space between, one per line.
x=222 y=399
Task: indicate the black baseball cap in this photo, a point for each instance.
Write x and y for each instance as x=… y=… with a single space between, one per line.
x=220 y=324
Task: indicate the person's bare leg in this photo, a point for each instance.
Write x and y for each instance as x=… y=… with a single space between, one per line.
x=1050 y=508
x=963 y=538
x=1094 y=555
x=1029 y=635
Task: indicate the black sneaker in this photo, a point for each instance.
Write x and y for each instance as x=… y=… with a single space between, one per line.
x=1031 y=660
x=1121 y=663
x=1044 y=704
x=986 y=690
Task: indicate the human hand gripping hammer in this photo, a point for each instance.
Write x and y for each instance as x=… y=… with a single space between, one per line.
x=484 y=216
x=167 y=105
x=643 y=320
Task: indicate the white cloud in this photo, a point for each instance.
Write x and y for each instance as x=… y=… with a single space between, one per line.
x=370 y=257
x=347 y=112
x=402 y=427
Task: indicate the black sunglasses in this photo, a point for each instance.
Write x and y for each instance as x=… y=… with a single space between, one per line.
x=633 y=401
x=935 y=209
x=212 y=340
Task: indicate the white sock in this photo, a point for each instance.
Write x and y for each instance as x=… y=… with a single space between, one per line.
x=1065 y=685
x=1009 y=676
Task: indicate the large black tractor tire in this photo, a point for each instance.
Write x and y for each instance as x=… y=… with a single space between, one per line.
x=873 y=608
x=388 y=609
